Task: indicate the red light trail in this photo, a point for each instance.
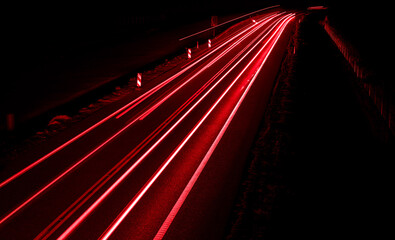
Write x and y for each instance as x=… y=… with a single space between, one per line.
x=212 y=148
x=215 y=83
x=146 y=187
x=166 y=224
x=141 y=117
x=123 y=110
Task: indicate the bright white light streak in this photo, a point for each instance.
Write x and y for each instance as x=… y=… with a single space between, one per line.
x=137 y=198
x=169 y=219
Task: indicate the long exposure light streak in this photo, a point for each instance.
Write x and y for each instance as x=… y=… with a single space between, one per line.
x=126 y=173
x=169 y=219
x=229 y=21
x=218 y=57
x=121 y=111
x=75 y=165
x=78 y=203
x=137 y=198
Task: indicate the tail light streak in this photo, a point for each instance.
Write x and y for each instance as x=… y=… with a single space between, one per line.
x=228 y=22
x=222 y=54
x=169 y=219
x=121 y=111
x=125 y=109
x=197 y=73
x=238 y=34
x=76 y=223
x=137 y=198
x=81 y=200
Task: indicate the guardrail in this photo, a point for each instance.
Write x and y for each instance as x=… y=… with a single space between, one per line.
x=376 y=88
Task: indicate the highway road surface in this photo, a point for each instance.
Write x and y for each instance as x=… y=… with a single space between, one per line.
x=163 y=163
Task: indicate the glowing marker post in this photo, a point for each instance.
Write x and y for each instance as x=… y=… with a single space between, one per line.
x=209 y=43
x=189 y=53
x=139 y=77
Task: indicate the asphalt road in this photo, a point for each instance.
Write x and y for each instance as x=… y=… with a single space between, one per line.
x=163 y=163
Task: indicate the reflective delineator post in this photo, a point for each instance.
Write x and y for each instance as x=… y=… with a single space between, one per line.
x=197 y=44
x=209 y=43
x=189 y=53
x=139 y=77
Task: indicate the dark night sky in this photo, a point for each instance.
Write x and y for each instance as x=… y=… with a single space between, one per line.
x=73 y=17
x=39 y=28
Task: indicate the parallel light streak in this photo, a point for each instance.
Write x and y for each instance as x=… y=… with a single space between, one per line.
x=78 y=203
x=169 y=219
x=75 y=165
x=76 y=223
x=200 y=71
x=264 y=21
x=232 y=36
x=208 y=29
x=141 y=193
x=121 y=111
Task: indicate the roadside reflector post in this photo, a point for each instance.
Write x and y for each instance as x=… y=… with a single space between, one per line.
x=197 y=44
x=189 y=53
x=10 y=121
x=209 y=43
x=139 y=77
